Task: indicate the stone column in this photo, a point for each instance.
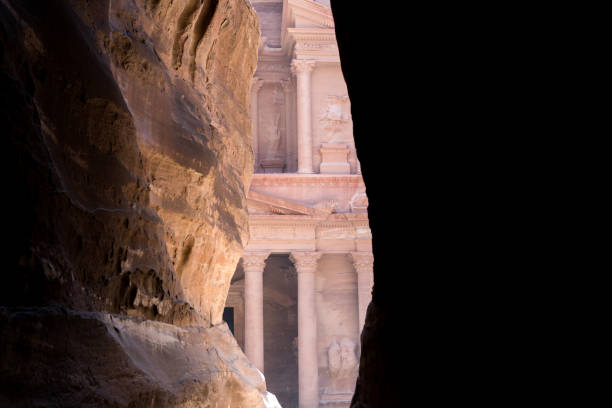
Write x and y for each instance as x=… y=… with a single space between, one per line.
x=308 y=369
x=364 y=265
x=255 y=87
x=253 y=264
x=302 y=70
x=286 y=84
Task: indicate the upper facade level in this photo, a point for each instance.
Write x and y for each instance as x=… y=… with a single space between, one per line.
x=299 y=103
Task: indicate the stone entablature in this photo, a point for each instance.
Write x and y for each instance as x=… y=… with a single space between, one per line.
x=284 y=233
x=323 y=224
x=348 y=191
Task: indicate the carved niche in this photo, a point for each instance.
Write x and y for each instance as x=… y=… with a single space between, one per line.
x=343 y=367
x=272 y=129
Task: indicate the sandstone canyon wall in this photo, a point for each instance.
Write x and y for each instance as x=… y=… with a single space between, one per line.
x=127 y=156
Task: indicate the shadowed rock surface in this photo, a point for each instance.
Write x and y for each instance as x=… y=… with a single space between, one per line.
x=465 y=307
x=126 y=138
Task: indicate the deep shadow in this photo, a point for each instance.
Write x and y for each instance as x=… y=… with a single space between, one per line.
x=437 y=124
x=281 y=329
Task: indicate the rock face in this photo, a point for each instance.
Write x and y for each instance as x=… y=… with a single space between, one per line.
x=126 y=138
x=122 y=361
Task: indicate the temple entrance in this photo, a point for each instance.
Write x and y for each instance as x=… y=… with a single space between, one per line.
x=281 y=329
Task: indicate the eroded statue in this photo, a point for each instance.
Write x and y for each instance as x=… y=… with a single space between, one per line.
x=335 y=117
x=342 y=365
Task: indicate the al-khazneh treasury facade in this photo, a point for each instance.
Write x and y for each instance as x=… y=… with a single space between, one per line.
x=300 y=293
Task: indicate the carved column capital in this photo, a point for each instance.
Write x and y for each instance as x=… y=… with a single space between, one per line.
x=256 y=84
x=363 y=261
x=305 y=262
x=299 y=67
x=254 y=261
x=364 y=265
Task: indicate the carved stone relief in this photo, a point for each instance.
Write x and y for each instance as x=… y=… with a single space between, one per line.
x=272 y=149
x=343 y=367
x=327 y=205
x=336 y=118
x=342 y=360
x=359 y=202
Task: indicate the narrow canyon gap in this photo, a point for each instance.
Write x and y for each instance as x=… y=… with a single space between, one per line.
x=304 y=282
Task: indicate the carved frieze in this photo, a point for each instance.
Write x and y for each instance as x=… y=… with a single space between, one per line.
x=344 y=232
x=273 y=67
x=274 y=232
x=281 y=232
x=327 y=46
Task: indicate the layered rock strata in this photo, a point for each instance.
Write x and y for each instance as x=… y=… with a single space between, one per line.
x=127 y=148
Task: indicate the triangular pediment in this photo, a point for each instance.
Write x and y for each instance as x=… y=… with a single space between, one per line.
x=259 y=203
x=306 y=13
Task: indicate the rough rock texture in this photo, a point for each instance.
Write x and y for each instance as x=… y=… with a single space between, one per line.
x=191 y=366
x=126 y=145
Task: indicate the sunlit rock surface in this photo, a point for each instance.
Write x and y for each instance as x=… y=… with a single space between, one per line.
x=126 y=138
x=123 y=361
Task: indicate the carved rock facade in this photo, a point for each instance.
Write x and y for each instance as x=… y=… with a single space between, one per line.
x=307 y=215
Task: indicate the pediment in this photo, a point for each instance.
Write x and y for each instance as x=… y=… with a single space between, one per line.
x=306 y=13
x=259 y=203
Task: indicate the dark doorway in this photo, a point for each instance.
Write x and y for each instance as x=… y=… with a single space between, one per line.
x=228 y=317
x=280 y=329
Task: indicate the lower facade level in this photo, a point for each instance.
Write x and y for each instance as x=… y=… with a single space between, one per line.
x=298 y=317
x=300 y=292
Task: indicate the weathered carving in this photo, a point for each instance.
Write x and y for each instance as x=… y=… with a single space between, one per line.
x=363 y=261
x=343 y=366
x=271 y=144
x=359 y=202
x=274 y=232
x=287 y=85
x=305 y=262
x=302 y=67
x=272 y=68
x=272 y=130
x=256 y=85
x=319 y=46
x=342 y=359
x=328 y=205
x=254 y=261
x=336 y=116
